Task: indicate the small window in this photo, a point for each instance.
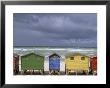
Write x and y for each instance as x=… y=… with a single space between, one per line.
x=72 y=58
x=82 y=58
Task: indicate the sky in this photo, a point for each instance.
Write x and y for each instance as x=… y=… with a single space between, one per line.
x=55 y=29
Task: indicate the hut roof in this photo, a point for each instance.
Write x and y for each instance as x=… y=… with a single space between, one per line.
x=76 y=54
x=54 y=54
x=15 y=55
x=93 y=57
x=32 y=53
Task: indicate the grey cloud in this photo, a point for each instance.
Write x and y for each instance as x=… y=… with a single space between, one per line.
x=54 y=29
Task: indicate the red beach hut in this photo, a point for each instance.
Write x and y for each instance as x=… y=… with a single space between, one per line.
x=93 y=64
x=15 y=63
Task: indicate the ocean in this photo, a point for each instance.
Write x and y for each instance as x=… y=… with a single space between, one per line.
x=50 y=50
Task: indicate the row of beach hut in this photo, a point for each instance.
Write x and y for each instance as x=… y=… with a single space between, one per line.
x=54 y=64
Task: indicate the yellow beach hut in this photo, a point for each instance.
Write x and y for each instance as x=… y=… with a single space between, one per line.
x=77 y=63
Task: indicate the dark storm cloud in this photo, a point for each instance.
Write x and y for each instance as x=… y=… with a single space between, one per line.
x=55 y=29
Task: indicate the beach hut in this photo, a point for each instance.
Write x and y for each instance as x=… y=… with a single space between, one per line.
x=93 y=64
x=54 y=64
x=32 y=63
x=15 y=63
x=77 y=63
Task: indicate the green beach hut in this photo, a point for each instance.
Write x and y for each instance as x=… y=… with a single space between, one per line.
x=32 y=63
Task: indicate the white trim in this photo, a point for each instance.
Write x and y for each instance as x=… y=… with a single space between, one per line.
x=19 y=63
x=62 y=63
x=46 y=63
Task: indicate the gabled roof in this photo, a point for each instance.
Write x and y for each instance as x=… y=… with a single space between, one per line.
x=54 y=54
x=93 y=57
x=76 y=54
x=23 y=53
x=32 y=53
x=15 y=55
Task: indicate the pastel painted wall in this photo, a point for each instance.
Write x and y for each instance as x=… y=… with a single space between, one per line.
x=76 y=63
